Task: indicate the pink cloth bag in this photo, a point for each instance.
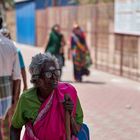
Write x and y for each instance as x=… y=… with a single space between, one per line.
x=50 y=122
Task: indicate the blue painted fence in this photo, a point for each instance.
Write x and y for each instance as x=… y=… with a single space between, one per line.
x=25 y=22
x=26 y=18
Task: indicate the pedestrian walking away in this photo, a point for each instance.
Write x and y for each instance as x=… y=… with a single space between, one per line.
x=56 y=45
x=50 y=110
x=80 y=54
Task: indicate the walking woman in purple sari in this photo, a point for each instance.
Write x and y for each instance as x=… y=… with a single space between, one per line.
x=50 y=110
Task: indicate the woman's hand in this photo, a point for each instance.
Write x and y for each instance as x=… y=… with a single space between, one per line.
x=68 y=104
x=15 y=133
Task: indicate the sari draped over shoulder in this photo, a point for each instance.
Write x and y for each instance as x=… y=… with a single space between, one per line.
x=81 y=56
x=50 y=122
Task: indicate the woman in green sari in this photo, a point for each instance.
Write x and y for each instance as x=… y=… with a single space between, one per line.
x=56 y=45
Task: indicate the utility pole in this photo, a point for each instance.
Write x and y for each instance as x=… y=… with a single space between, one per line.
x=96 y=33
x=54 y=2
x=2 y=9
x=2 y=4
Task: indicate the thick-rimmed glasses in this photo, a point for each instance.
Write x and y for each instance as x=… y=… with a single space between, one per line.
x=50 y=73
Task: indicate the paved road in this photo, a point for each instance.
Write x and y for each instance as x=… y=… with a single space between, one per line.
x=111 y=104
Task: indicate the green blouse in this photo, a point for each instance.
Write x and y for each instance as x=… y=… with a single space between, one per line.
x=28 y=107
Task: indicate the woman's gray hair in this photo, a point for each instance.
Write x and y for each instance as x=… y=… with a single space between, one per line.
x=38 y=62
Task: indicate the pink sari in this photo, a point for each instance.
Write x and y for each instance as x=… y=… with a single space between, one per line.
x=50 y=122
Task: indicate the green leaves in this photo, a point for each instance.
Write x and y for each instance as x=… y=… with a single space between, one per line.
x=93 y=1
x=7 y=4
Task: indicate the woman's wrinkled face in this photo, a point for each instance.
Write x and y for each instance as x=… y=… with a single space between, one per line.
x=50 y=75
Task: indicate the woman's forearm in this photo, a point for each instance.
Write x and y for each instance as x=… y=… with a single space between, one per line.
x=24 y=77
x=75 y=126
x=14 y=133
x=16 y=90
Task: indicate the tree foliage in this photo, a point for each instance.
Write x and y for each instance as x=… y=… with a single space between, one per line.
x=7 y=4
x=94 y=1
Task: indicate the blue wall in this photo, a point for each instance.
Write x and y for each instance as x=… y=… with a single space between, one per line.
x=42 y=4
x=26 y=18
x=63 y=2
x=59 y=3
x=25 y=22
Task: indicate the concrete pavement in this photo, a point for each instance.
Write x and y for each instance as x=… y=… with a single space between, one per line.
x=110 y=103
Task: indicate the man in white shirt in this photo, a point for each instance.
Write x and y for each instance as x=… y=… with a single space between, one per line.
x=6 y=33
x=9 y=82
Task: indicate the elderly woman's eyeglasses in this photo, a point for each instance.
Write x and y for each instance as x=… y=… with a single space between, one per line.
x=49 y=74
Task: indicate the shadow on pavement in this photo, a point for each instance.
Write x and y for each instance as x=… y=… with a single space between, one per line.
x=87 y=82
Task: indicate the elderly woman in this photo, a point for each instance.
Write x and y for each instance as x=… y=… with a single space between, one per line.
x=50 y=110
